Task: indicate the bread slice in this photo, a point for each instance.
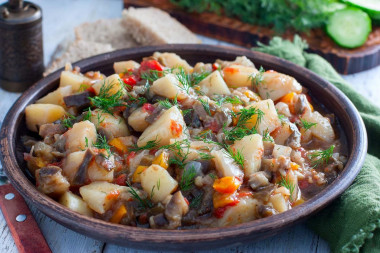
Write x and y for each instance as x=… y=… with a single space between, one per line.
x=76 y=51
x=106 y=31
x=152 y=26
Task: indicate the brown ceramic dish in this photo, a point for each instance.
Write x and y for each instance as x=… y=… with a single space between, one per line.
x=333 y=99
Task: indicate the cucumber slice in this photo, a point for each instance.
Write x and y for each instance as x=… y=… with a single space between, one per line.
x=349 y=27
x=372 y=7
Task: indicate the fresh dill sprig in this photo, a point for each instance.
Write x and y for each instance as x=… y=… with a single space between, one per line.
x=143 y=203
x=245 y=114
x=136 y=101
x=165 y=103
x=232 y=100
x=236 y=156
x=205 y=156
x=196 y=202
x=181 y=149
x=288 y=185
x=101 y=143
x=68 y=120
x=187 y=178
x=106 y=101
x=205 y=136
x=184 y=79
x=321 y=157
x=267 y=137
x=257 y=78
x=148 y=146
x=152 y=75
x=88 y=114
x=198 y=77
x=205 y=105
x=307 y=125
x=212 y=175
x=237 y=133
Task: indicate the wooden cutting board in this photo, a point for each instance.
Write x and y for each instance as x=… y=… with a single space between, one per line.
x=345 y=61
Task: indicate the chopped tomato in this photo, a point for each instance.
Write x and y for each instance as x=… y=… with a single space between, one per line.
x=130 y=81
x=215 y=66
x=150 y=65
x=113 y=194
x=130 y=156
x=91 y=90
x=175 y=128
x=226 y=184
x=214 y=126
x=219 y=212
x=230 y=70
x=148 y=108
x=121 y=180
x=243 y=194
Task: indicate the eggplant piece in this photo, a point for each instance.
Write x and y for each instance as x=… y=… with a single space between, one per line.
x=258 y=179
x=51 y=129
x=175 y=209
x=158 y=221
x=152 y=117
x=104 y=162
x=105 y=133
x=192 y=119
x=81 y=175
x=294 y=140
x=51 y=181
x=79 y=100
x=60 y=144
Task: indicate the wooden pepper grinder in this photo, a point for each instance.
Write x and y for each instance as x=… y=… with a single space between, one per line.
x=21 y=52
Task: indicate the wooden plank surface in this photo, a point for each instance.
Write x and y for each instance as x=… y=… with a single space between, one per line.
x=61 y=239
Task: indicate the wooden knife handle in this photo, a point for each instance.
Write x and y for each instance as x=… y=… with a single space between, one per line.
x=26 y=233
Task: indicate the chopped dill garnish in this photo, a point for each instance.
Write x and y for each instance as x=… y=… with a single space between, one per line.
x=143 y=203
x=152 y=75
x=205 y=156
x=267 y=137
x=148 y=146
x=185 y=112
x=87 y=115
x=288 y=185
x=236 y=156
x=101 y=143
x=106 y=101
x=179 y=148
x=68 y=120
x=196 y=202
x=212 y=175
x=281 y=117
x=198 y=77
x=165 y=103
x=205 y=105
x=246 y=114
x=307 y=125
x=232 y=100
x=83 y=87
x=187 y=178
x=205 y=136
x=136 y=101
x=184 y=79
x=321 y=157
x=257 y=78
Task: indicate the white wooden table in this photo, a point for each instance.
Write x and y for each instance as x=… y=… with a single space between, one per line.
x=59 y=20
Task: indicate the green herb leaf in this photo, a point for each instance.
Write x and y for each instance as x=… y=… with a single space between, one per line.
x=321 y=157
x=106 y=101
x=101 y=143
x=187 y=178
x=205 y=105
x=68 y=120
x=257 y=78
x=288 y=185
x=237 y=156
x=196 y=202
x=307 y=125
x=148 y=146
x=143 y=203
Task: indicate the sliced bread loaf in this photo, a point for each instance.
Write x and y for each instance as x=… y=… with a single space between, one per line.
x=109 y=31
x=152 y=26
x=76 y=51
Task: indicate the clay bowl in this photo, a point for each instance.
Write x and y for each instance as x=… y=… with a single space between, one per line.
x=325 y=93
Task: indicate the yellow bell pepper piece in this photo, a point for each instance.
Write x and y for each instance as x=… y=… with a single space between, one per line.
x=294 y=166
x=162 y=160
x=119 y=145
x=119 y=214
x=224 y=199
x=289 y=100
x=136 y=176
x=226 y=184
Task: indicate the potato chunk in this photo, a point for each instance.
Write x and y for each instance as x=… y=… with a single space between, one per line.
x=81 y=136
x=168 y=86
x=269 y=121
x=137 y=120
x=39 y=114
x=239 y=76
x=225 y=165
x=157 y=182
x=56 y=97
x=276 y=85
x=100 y=196
x=172 y=60
x=113 y=124
x=74 y=80
x=75 y=203
x=252 y=149
x=244 y=211
x=280 y=150
x=214 y=84
x=71 y=164
x=123 y=66
x=111 y=85
x=323 y=129
x=170 y=125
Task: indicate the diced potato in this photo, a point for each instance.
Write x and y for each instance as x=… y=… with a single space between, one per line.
x=137 y=120
x=170 y=125
x=74 y=80
x=239 y=76
x=71 y=164
x=81 y=136
x=214 y=84
x=172 y=60
x=39 y=114
x=225 y=165
x=168 y=86
x=280 y=150
x=282 y=133
x=279 y=203
x=269 y=121
x=112 y=123
x=123 y=66
x=75 y=203
x=100 y=196
x=157 y=182
x=111 y=84
x=276 y=85
x=252 y=149
x=56 y=97
x=323 y=129
x=244 y=211
x=96 y=172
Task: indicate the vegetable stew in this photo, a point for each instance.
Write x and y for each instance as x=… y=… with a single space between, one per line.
x=163 y=144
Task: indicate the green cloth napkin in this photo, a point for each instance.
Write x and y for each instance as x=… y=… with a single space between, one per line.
x=352 y=222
